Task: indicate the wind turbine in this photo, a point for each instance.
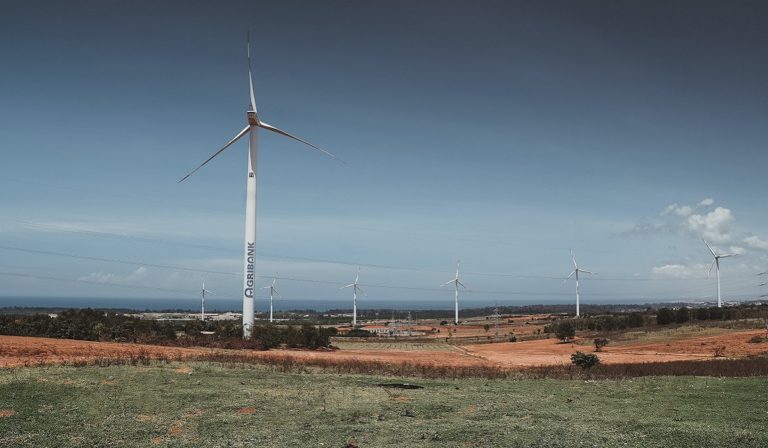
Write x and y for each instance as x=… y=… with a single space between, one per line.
x=272 y=292
x=355 y=288
x=456 y=283
x=716 y=262
x=249 y=246
x=576 y=270
x=203 y=291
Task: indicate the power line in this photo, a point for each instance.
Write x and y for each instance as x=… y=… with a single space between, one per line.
x=38 y=226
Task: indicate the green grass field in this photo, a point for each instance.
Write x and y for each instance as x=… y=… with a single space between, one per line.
x=164 y=405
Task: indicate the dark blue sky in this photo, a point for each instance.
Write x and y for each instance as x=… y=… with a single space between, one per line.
x=498 y=133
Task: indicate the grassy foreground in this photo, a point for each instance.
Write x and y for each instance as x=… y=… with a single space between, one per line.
x=203 y=404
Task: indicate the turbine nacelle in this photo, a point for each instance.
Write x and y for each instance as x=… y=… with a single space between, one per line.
x=253 y=118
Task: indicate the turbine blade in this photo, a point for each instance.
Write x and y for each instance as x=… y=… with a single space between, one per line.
x=448 y=282
x=347 y=286
x=274 y=292
x=361 y=290
x=728 y=255
x=709 y=247
x=237 y=137
x=570 y=275
x=462 y=284
x=281 y=132
x=709 y=272
x=250 y=76
x=587 y=272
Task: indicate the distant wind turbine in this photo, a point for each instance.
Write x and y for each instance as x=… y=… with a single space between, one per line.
x=456 y=283
x=203 y=291
x=249 y=252
x=355 y=288
x=576 y=271
x=272 y=292
x=716 y=263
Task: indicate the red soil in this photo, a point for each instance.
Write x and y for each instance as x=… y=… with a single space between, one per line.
x=19 y=351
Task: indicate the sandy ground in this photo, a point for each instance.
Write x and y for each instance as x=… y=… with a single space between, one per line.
x=18 y=351
x=550 y=351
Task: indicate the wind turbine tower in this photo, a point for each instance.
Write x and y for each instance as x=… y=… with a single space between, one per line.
x=203 y=291
x=456 y=283
x=355 y=288
x=716 y=263
x=576 y=271
x=272 y=293
x=249 y=245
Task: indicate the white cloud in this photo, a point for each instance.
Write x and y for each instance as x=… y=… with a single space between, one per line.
x=679 y=210
x=706 y=202
x=109 y=277
x=756 y=242
x=714 y=226
x=680 y=271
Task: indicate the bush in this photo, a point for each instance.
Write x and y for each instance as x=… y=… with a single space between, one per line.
x=565 y=330
x=585 y=360
x=600 y=343
x=665 y=316
x=682 y=315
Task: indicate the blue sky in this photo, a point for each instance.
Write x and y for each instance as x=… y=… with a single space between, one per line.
x=501 y=134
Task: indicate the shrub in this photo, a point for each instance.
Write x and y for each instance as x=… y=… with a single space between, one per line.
x=600 y=343
x=565 y=330
x=665 y=316
x=585 y=360
x=682 y=315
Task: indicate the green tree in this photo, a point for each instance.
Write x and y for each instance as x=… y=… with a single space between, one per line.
x=665 y=316
x=565 y=330
x=682 y=315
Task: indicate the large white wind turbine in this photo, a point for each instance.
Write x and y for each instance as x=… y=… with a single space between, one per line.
x=716 y=263
x=272 y=293
x=456 y=283
x=576 y=271
x=203 y=291
x=355 y=288
x=249 y=252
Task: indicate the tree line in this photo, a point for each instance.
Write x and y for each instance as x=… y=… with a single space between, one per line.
x=94 y=325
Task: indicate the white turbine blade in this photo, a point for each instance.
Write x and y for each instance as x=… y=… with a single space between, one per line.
x=462 y=284
x=448 y=282
x=709 y=247
x=709 y=272
x=347 y=286
x=237 y=137
x=281 y=132
x=267 y=287
x=274 y=292
x=250 y=76
x=727 y=255
x=586 y=272
x=569 y=276
x=361 y=290
x=209 y=292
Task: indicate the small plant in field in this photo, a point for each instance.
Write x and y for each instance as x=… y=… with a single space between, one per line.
x=757 y=339
x=600 y=343
x=584 y=360
x=486 y=327
x=719 y=351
